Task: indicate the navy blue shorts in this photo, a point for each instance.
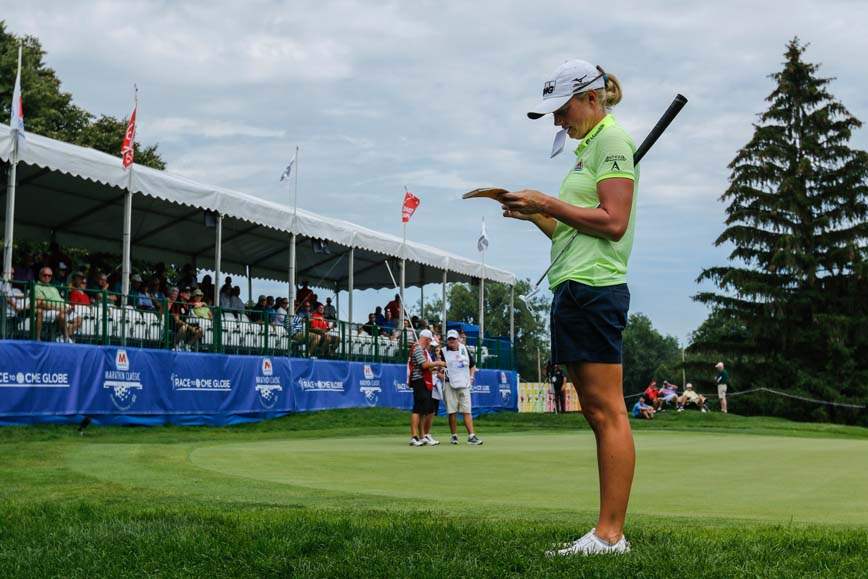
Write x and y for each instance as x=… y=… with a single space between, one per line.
x=587 y=321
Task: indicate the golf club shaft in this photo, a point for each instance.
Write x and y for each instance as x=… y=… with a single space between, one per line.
x=665 y=120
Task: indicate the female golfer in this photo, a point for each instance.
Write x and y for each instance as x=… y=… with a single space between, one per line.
x=591 y=299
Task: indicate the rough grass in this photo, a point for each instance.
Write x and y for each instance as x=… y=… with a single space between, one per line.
x=56 y=519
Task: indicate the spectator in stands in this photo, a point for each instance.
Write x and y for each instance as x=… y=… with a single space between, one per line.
x=60 y=280
x=55 y=256
x=389 y=322
x=269 y=310
x=12 y=299
x=102 y=284
x=25 y=272
x=379 y=317
x=691 y=397
x=320 y=326
x=304 y=294
x=226 y=293
x=668 y=395
x=371 y=327
x=78 y=299
x=652 y=395
x=278 y=318
x=207 y=287
x=155 y=293
x=414 y=321
x=187 y=330
x=50 y=306
x=394 y=307
x=236 y=303
x=187 y=277
x=329 y=311
x=257 y=312
x=139 y=297
x=462 y=336
x=642 y=410
x=198 y=306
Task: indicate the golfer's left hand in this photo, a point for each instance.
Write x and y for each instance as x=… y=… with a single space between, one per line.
x=524 y=201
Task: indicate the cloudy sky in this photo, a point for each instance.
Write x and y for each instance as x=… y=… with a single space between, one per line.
x=433 y=95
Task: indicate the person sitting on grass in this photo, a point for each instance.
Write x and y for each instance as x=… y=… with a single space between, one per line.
x=652 y=395
x=691 y=397
x=642 y=410
x=668 y=394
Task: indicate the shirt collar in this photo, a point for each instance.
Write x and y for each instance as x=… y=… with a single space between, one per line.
x=596 y=130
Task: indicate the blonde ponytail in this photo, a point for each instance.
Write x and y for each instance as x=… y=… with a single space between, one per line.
x=611 y=94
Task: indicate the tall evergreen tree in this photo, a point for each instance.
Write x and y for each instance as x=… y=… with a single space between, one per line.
x=798 y=202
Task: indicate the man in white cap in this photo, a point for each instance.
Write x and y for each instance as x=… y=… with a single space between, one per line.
x=722 y=380
x=460 y=371
x=421 y=380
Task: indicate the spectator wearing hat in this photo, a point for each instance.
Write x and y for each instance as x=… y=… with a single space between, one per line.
x=668 y=394
x=139 y=297
x=50 y=306
x=460 y=372
x=198 y=306
x=60 y=280
x=691 y=397
x=722 y=381
x=421 y=367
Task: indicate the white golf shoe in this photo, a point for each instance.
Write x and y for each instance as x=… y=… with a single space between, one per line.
x=430 y=441
x=591 y=544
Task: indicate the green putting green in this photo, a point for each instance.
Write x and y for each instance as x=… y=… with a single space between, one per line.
x=686 y=474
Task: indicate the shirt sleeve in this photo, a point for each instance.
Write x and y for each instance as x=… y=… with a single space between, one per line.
x=614 y=156
x=419 y=357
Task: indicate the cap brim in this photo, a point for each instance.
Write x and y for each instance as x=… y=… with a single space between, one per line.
x=548 y=106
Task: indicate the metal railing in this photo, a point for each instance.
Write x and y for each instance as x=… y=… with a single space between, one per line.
x=31 y=311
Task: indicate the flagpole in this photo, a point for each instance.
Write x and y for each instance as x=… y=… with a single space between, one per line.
x=126 y=265
x=292 y=284
x=403 y=269
x=8 y=232
x=482 y=287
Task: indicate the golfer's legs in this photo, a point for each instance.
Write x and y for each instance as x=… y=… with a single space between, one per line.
x=600 y=391
x=468 y=422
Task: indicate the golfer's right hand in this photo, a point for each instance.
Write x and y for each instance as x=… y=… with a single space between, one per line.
x=519 y=216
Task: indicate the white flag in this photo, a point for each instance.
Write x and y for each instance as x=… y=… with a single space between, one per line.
x=288 y=171
x=482 y=242
x=16 y=119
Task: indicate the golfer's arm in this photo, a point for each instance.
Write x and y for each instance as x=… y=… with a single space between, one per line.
x=609 y=220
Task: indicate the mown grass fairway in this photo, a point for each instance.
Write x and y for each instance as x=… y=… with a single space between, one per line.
x=340 y=494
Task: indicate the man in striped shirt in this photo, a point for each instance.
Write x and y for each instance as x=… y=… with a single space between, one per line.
x=421 y=381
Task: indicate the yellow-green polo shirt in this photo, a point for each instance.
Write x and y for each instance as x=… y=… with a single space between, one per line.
x=606 y=152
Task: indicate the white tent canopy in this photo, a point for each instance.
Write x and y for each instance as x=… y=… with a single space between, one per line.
x=77 y=195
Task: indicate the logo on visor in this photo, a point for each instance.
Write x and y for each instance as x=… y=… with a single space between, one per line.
x=548 y=88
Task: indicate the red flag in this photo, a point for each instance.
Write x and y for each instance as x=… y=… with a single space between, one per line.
x=411 y=202
x=129 y=139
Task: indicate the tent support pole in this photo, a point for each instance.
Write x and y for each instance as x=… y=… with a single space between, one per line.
x=292 y=284
x=443 y=314
x=351 y=267
x=8 y=233
x=512 y=315
x=218 y=258
x=126 y=266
